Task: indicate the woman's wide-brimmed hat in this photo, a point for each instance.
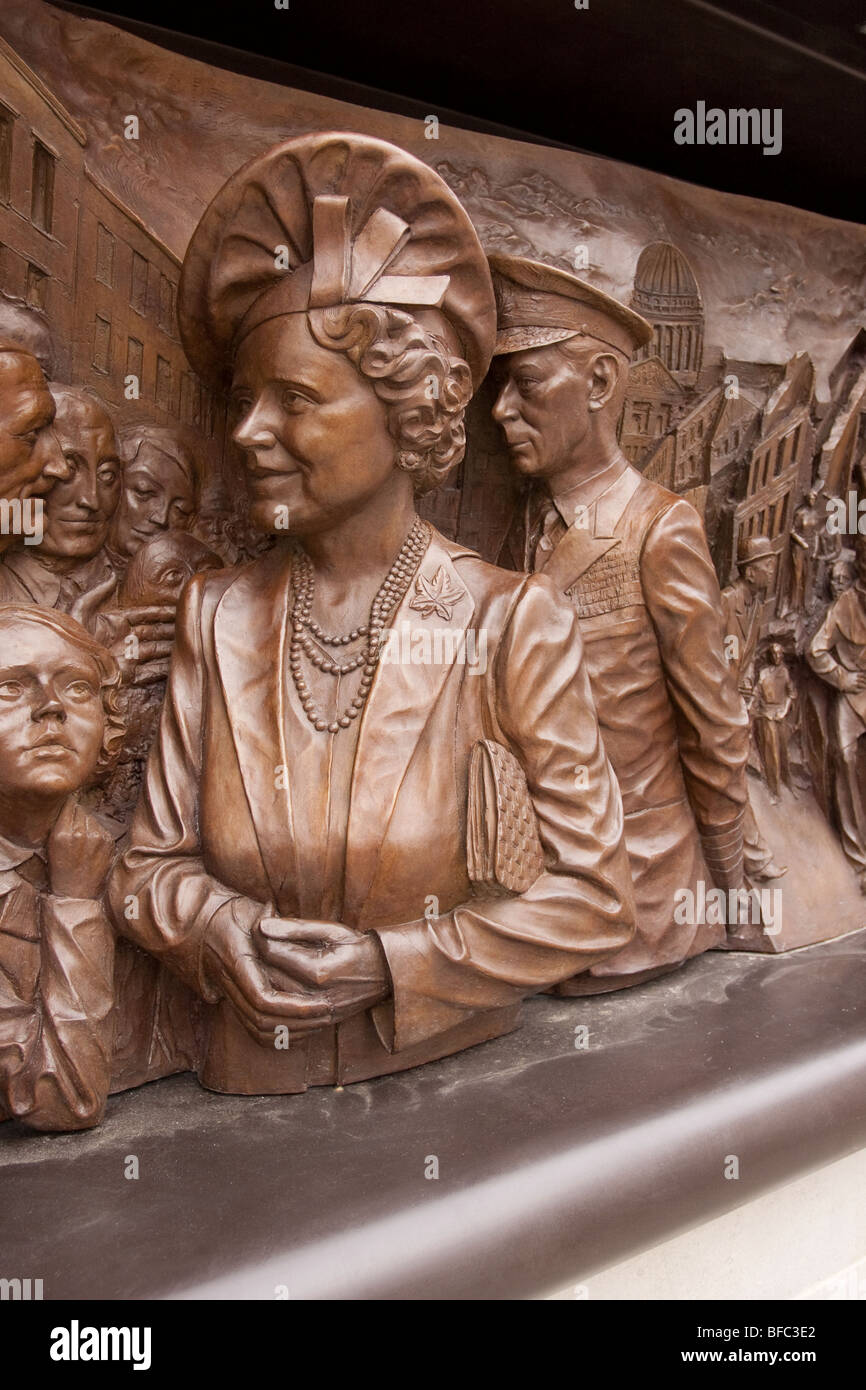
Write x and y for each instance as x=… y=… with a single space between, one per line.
x=326 y=220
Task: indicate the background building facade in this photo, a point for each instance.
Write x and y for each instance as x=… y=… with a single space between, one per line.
x=106 y=283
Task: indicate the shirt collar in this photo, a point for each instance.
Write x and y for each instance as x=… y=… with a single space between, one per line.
x=12 y=854
x=582 y=495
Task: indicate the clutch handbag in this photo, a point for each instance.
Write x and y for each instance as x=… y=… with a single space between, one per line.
x=503 y=850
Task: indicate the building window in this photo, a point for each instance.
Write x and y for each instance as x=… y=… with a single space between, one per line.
x=104 y=256
x=166 y=304
x=37 y=281
x=135 y=360
x=786 y=512
x=163 y=384
x=7 y=121
x=190 y=399
x=101 y=344
x=138 y=284
x=769 y=461
x=42 y=187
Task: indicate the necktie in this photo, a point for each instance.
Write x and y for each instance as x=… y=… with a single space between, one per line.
x=34 y=871
x=550 y=532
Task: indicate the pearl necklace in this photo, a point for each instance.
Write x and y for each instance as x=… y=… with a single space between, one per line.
x=390 y=594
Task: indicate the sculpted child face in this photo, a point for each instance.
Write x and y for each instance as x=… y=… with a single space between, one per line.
x=52 y=719
x=159 y=571
x=30 y=455
x=79 y=509
x=157 y=497
x=314 y=432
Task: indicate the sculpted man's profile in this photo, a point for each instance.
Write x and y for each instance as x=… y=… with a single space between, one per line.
x=316 y=849
x=633 y=559
x=31 y=460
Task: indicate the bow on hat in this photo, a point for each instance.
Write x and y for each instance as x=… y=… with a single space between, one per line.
x=343 y=271
x=359 y=221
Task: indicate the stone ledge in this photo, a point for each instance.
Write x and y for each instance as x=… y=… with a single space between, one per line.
x=554 y=1162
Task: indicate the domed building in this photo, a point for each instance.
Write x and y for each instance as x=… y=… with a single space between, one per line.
x=666 y=293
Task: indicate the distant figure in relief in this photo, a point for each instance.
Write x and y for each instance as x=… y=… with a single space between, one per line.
x=742 y=608
x=805 y=546
x=775 y=694
x=838 y=654
x=843 y=573
x=58 y=725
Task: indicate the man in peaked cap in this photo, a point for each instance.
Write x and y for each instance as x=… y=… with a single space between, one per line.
x=633 y=559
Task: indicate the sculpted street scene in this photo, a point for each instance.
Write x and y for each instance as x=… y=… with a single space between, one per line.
x=431 y=575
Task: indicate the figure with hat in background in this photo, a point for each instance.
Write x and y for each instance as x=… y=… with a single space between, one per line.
x=633 y=560
x=299 y=852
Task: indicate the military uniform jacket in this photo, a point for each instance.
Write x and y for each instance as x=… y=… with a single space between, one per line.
x=636 y=567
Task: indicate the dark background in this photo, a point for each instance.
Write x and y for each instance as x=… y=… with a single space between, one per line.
x=607 y=80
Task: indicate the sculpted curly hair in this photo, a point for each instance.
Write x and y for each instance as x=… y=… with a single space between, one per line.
x=109 y=671
x=423 y=385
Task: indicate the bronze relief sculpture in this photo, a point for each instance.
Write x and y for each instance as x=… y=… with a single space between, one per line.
x=299 y=852
x=375 y=787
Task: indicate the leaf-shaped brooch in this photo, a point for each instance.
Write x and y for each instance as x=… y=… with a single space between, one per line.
x=435 y=596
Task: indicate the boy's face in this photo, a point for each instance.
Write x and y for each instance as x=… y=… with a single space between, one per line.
x=52 y=719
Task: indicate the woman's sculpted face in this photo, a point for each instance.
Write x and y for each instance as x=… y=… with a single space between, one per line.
x=157 y=498
x=314 y=432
